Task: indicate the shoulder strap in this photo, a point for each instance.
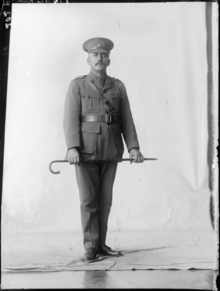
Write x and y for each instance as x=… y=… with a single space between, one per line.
x=116 y=79
x=80 y=77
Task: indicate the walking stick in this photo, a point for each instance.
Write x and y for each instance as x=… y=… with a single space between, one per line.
x=95 y=161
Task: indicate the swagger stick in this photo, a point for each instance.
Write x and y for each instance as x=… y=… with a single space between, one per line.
x=96 y=161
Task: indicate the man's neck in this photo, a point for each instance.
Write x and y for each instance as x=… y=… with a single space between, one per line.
x=100 y=75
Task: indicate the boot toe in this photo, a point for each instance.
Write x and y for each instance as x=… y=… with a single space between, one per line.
x=107 y=251
x=90 y=254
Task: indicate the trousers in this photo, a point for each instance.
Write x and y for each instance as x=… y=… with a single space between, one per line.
x=95 y=182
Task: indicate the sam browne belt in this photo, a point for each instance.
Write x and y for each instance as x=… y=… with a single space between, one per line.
x=113 y=116
x=108 y=118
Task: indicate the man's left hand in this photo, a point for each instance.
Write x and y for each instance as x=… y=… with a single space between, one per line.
x=136 y=156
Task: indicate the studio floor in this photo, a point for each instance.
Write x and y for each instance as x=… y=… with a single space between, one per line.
x=151 y=259
x=165 y=279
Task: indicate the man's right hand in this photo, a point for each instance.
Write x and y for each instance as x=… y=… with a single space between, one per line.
x=73 y=156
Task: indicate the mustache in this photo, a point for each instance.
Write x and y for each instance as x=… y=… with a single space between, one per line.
x=98 y=63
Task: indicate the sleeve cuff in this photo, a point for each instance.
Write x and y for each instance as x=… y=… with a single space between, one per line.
x=134 y=148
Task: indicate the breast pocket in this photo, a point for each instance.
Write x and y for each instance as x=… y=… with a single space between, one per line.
x=90 y=103
x=89 y=138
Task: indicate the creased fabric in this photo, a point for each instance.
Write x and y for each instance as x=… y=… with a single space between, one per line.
x=141 y=251
x=161 y=58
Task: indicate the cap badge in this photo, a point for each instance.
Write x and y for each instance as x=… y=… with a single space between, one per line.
x=95 y=47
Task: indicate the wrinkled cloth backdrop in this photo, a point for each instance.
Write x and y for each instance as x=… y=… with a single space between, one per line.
x=160 y=55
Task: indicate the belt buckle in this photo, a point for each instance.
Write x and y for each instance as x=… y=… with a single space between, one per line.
x=108 y=119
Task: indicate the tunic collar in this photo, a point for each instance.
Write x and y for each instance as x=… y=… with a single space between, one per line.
x=95 y=80
x=108 y=83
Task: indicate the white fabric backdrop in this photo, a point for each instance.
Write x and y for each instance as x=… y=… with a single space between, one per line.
x=160 y=55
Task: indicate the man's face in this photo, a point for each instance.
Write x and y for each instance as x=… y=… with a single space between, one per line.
x=98 y=61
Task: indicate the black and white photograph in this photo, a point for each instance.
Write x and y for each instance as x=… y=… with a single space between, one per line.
x=109 y=145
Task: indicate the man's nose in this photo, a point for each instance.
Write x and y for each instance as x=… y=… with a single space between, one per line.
x=99 y=57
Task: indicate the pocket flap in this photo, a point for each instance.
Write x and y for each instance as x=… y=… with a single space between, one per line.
x=89 y=93
x=90 y=96
x=91 y=127
x=115 y=95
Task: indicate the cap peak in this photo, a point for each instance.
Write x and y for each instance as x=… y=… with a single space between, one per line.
x=98 y=44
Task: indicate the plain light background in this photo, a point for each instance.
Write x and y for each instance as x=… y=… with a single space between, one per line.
x=160 y=55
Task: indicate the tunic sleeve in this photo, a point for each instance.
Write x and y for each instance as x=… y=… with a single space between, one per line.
x=72 y=112
x=127 y=123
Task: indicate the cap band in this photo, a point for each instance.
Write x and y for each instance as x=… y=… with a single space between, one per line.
x=98 y=44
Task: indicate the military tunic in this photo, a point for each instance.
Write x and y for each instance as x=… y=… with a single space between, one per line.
x=97 y=141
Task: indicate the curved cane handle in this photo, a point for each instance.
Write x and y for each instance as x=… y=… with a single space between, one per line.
x=58 y=161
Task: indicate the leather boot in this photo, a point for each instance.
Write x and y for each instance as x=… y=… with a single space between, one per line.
x=107 y=251
x=90 y=254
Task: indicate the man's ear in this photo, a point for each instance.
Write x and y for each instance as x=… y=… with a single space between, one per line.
x=88 y=61
x=109 y=61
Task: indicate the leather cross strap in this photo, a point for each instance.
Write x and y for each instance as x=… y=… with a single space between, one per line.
x=115 y=113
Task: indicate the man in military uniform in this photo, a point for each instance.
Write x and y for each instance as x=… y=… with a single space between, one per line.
x=97 y=113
